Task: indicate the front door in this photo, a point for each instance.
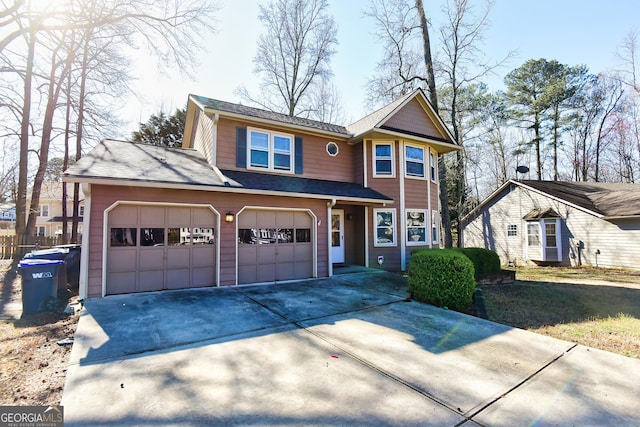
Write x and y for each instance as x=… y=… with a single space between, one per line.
x=337 y=236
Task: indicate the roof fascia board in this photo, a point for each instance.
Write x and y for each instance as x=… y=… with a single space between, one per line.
x=276 y=123
x=612 y=218
x=447 y=146
x=221 y=189
x=482 y=204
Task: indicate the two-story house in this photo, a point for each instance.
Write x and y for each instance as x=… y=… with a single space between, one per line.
x=49 y=216
x=279 y=198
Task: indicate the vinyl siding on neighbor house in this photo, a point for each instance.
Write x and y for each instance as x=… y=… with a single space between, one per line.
x=583 y=234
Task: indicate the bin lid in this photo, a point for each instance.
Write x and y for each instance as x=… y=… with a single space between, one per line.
x=53 y=253
x=32 y=262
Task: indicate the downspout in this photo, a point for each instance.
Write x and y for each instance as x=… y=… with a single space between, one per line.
x=330 y=205
x=401 y=209
x=83 y=288
x=429 y=213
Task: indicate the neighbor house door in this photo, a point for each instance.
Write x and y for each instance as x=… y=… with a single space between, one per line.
x=337 y=236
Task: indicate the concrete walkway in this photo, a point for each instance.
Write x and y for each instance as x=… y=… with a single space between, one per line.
x=350 y=350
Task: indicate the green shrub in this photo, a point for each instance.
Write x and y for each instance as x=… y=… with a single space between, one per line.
x=484 y=260
x=441 y=277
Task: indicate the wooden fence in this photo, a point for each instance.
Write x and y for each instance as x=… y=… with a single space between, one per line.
x=17 y=246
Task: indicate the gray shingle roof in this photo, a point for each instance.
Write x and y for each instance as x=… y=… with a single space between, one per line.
x=218 y=105
x=129 y=161
x=607 y=199
x=293 y=184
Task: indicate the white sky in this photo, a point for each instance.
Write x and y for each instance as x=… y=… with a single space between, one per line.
x=570 y=31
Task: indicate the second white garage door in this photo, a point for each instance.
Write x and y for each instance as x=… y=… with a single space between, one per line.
x=275 y=245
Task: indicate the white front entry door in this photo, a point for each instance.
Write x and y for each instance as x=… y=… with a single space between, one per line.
x=337 y=236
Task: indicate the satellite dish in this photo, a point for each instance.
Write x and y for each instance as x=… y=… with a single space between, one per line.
x=522 y=169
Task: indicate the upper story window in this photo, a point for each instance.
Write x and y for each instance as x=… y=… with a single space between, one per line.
x=270 y=151
x=432 y=165
x=414 y=158
x=383 y=160
x=81 y=213
x=43 y=210
x=512 y=230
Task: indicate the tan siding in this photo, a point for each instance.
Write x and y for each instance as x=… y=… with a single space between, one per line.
x=416 y=193
x=104 y=196
x=413 y=118
x=317 y=162
x=358 y=164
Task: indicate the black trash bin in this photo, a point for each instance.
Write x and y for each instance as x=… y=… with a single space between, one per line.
x=70 y=254
x=40 y=284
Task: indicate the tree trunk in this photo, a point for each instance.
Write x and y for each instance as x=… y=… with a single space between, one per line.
x=433 y=98
x=45 y=142
x=79 y=131
x=23 y=168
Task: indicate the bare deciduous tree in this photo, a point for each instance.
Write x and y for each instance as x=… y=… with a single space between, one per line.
x=293 y=57
x=38 y=49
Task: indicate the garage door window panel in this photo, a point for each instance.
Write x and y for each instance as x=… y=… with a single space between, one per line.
x=151 y=236
x=126 y=236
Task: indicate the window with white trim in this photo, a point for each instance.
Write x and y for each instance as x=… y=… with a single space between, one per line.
x=81 y=212
x=43 y=210
x=432 y=166
x=40 y=231
x=435 y=238
x=512 y=230
x=417 y=227
x=385 y=227
x=533 y=234
x=272 y=151
x=414 y=161
x=383 y=160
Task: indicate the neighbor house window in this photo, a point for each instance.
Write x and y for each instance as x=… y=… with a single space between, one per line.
x=270 y=150
x=434 y=227
x=416 y=227
x=43 y=210
x=81 y=212
x=432 y=166
x=40 y=231
x=550 y=233
x=414 y=161
x=533 y=234
x=383 y=159
x=385 y=227
x=512 y=230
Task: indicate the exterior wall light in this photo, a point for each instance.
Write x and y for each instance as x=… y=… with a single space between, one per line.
x=228 y=217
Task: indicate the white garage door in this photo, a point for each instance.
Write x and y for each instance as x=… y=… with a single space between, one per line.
x=274 y=246
x=160 y=247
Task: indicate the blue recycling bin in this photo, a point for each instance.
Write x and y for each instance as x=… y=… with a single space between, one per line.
x=40 y=284
x=70 y=254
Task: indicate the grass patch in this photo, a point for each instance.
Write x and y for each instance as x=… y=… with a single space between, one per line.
x=604 y=315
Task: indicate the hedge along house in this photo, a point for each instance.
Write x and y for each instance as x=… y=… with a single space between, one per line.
x=563 y=223
x=259 y=197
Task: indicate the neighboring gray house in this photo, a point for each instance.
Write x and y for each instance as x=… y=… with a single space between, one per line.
x=553 y=222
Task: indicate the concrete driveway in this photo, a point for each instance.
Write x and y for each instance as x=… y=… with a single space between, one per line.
x=350 y=350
